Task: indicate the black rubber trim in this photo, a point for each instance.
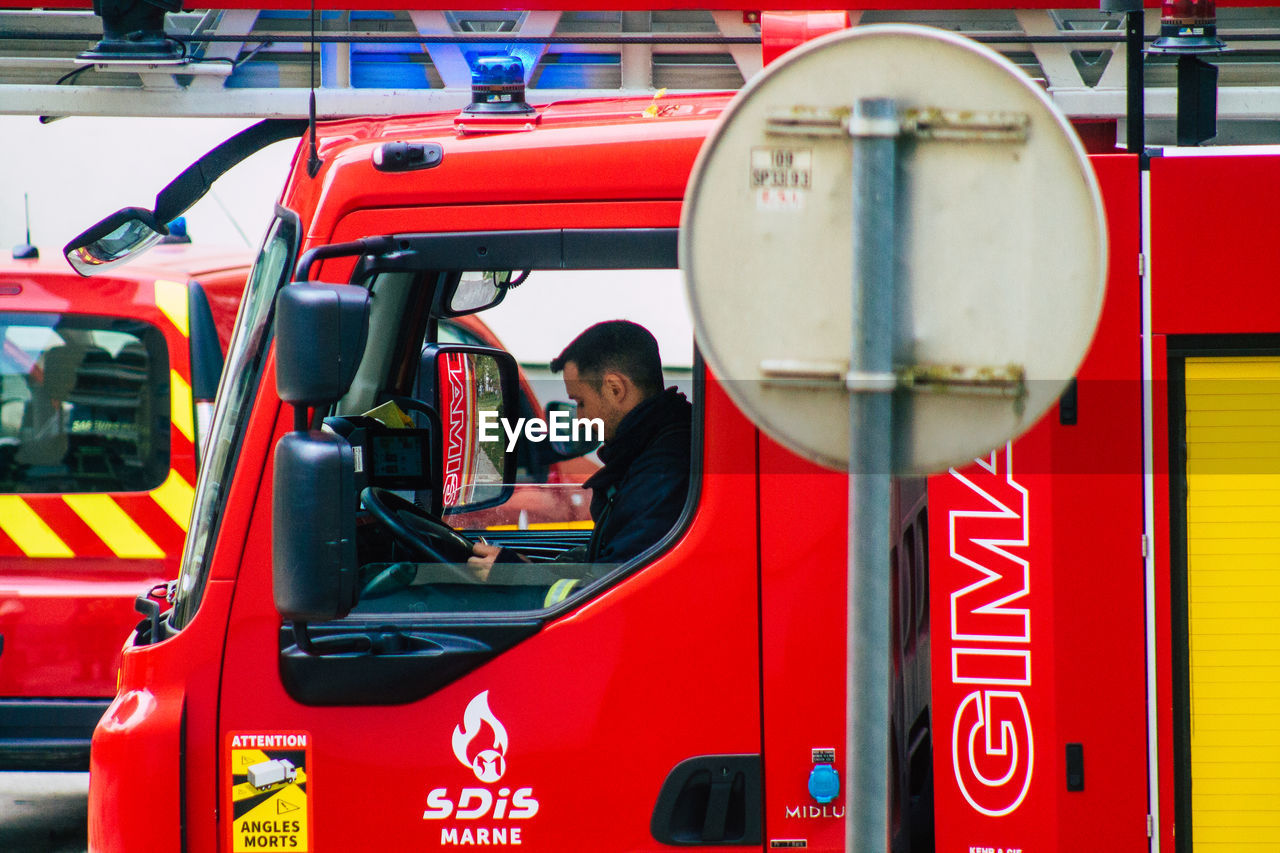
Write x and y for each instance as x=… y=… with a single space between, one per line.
x=413 y=662
x=547 y=249
x=206 y=351
x=48 y=734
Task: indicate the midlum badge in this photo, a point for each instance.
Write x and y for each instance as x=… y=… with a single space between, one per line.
x=480 y=744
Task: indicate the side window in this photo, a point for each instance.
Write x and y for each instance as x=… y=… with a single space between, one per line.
x=84 y=404
x=575 y=516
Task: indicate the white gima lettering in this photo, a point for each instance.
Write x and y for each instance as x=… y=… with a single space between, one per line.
x=992 y=749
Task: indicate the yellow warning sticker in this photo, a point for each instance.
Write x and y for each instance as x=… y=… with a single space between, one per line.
x=268 y=778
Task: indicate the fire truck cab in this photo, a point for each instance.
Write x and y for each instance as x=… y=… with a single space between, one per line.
x=427 y=227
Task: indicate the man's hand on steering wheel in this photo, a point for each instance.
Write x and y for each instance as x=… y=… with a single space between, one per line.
x=482 y=561
x=426 y=537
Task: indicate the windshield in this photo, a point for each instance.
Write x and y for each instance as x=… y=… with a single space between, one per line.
x=235 y=399
x=84 y=404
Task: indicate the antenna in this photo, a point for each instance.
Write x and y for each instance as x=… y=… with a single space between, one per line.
x=313 y=160
x=26 y=251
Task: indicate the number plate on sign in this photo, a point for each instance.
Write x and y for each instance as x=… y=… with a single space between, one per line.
x=781 y=168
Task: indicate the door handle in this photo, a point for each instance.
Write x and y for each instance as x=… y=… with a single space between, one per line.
x=710 y=800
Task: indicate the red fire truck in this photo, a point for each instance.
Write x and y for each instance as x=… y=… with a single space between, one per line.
x=108 y=389
x=1064 y=609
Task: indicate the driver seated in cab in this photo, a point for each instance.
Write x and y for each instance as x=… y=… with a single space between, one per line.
x=613 y=372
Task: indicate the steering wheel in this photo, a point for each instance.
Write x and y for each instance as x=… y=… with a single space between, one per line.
x=426 y=536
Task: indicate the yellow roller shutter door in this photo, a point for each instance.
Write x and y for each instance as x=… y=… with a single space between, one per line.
x=1233 y=583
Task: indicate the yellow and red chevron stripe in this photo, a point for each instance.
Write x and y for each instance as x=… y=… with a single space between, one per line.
x=148 y=525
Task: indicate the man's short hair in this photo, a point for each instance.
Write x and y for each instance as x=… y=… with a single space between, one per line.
x=620 y=345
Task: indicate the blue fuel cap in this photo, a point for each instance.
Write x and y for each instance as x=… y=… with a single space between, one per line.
x=824 y=783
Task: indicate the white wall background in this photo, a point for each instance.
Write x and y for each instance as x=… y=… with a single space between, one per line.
x=563 y=303
x=77 y=170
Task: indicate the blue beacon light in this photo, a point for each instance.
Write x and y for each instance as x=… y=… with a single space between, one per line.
x=497 y=88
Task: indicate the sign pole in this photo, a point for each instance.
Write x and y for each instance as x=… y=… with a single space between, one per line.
x=874 y=127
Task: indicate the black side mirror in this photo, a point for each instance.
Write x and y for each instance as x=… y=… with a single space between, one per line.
x=321 y=331
x=313 y=528
x=320 y=336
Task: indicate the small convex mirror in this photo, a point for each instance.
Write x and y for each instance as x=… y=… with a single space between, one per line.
x=122 y=235
x=478 y=290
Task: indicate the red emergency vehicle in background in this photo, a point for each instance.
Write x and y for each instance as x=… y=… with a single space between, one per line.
x=107 y=392
x=1063 y=608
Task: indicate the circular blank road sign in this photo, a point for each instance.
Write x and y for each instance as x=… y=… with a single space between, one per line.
x=1001 y=246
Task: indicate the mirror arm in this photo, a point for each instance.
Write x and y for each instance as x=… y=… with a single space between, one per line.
x=194 y=181
x=366 y=246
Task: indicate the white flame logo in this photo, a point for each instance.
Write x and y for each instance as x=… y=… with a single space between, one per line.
x=489 y=763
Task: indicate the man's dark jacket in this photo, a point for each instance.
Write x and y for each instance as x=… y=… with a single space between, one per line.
x=640 y=492
x=636 y=498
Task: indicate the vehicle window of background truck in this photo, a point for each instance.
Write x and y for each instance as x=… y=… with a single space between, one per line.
x=84 y=404
x=235 y=399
